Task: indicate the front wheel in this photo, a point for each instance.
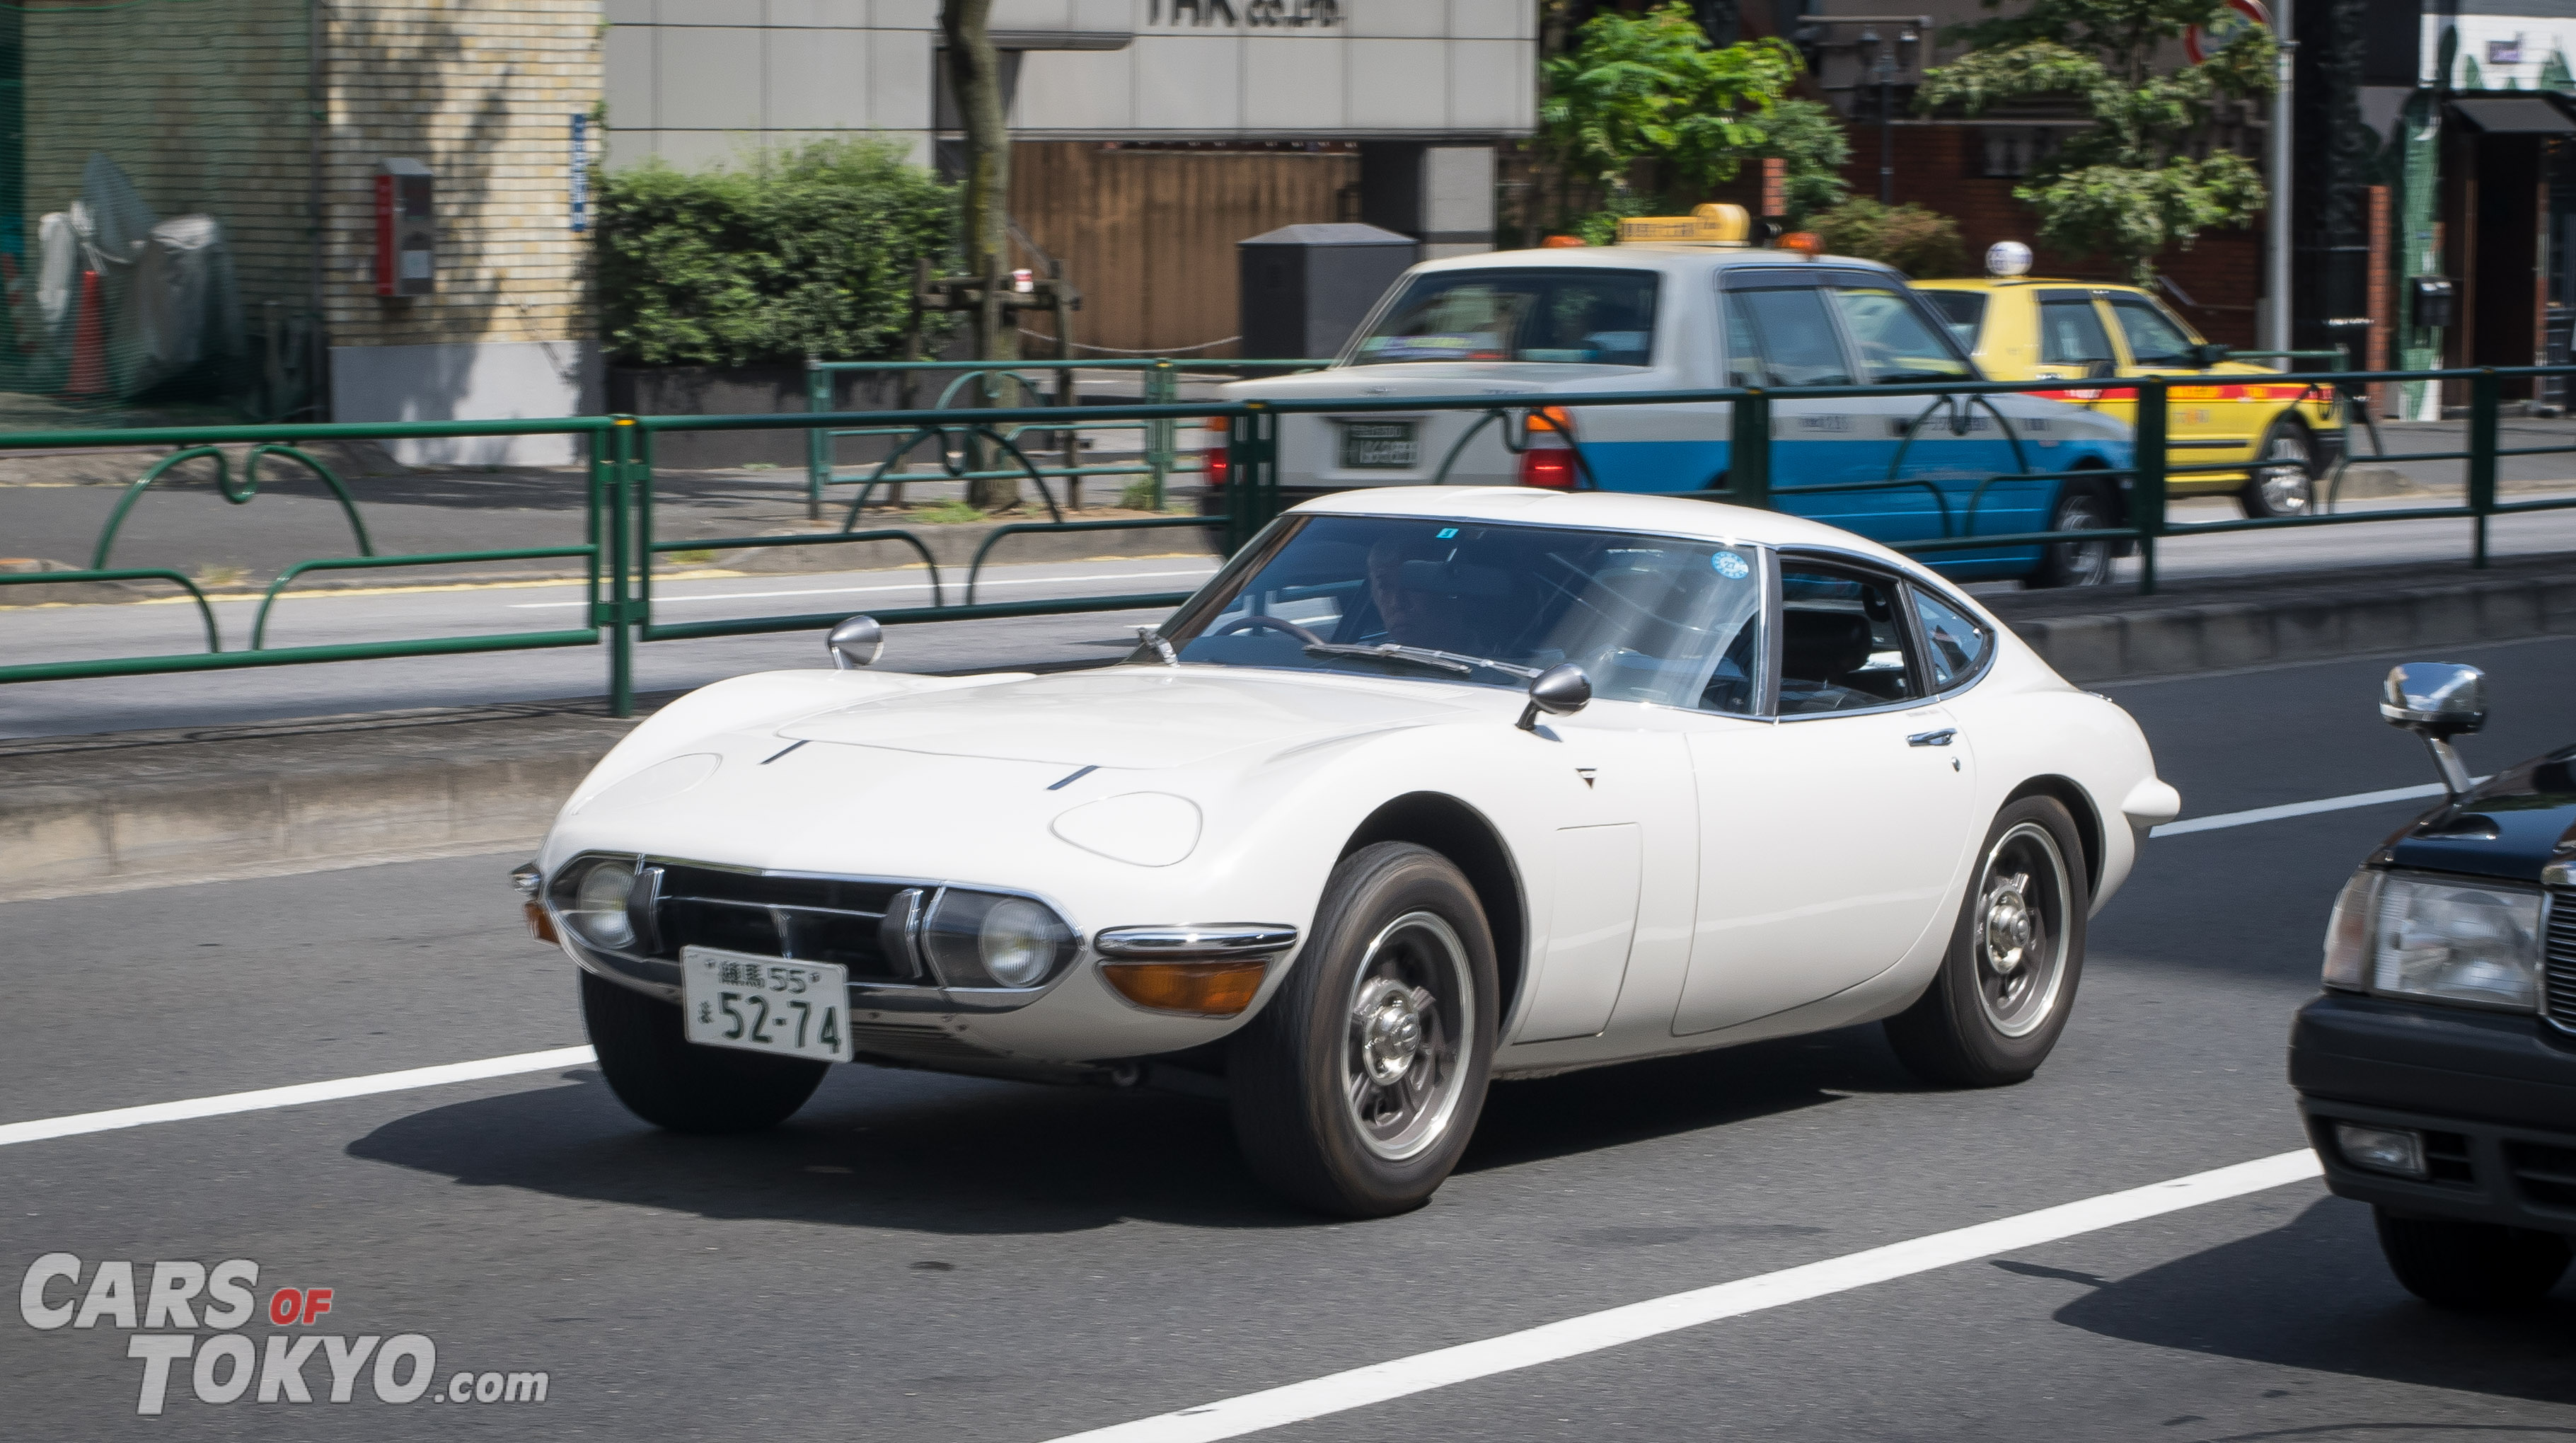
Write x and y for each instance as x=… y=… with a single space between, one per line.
x=671 y=1082
x=2470 y=1266
x=2078 y=563
x=2285 y=480
x=2003 y=993
x=1355 y=1090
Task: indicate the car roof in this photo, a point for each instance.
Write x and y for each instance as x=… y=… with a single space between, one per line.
x=1682 y=259
x=2004 y=283
x=1598 y=511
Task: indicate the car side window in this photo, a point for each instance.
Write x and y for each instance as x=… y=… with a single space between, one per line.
x=1954 y=646
x=2155 y=338
x=1896 y=343
x=1842 y=642
x=1782 y=338
x=2070 y=332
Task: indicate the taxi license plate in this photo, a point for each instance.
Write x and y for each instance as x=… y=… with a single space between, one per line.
x=1379 y=446
x=765 y=1004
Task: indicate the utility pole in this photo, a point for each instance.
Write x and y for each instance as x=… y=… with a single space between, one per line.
x=2276 y=222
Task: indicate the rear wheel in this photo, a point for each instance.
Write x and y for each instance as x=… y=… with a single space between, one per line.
x=2284 y=481
x=2002 y=996
x=1357 y=1087
x=671 y=1082
x=2082 y=507
x=2471 y=1266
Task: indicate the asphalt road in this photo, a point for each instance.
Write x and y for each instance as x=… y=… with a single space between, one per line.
x=50 y=633
x=917 y=1257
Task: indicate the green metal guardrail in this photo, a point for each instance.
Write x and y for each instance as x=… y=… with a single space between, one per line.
x=620 y=543
x=980 y=384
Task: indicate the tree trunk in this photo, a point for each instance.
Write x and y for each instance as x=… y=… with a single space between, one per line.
x=975 y=75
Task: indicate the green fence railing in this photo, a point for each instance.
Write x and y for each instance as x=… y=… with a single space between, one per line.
x=620 y=542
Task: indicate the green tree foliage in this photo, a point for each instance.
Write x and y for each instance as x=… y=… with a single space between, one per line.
x=1809 y=136
x=1648 y=87
x=805 y=252
x=1917 y=240
x=2133 y=182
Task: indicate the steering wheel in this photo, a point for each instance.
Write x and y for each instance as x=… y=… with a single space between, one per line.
x=1256 y=622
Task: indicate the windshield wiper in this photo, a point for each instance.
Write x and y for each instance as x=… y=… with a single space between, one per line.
x=1421 y=656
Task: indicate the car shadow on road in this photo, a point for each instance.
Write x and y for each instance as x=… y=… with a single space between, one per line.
x=2314 y=1294
x=960 y=1156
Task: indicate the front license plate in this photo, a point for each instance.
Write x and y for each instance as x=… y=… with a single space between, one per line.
x=765 y=1004
x=1379 y=446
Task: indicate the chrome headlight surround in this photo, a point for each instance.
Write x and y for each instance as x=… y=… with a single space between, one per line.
x=2431 y=937
x=996 y=941
x=606 y=902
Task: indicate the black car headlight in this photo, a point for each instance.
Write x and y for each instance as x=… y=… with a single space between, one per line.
x=2443 y=939
x=988 y=939
x=592 y=900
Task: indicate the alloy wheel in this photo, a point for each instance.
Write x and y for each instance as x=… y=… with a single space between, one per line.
x=1403 y=1051
x=2021 y=929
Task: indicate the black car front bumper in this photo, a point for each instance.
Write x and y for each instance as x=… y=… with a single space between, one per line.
x=2493 y=1094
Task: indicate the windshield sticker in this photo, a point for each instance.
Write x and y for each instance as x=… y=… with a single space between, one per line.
x=1450 y=346
x=1731 y=566
x=1445 y=533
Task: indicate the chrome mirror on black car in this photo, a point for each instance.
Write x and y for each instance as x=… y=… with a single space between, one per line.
x=856 y=643
x=2437 y=700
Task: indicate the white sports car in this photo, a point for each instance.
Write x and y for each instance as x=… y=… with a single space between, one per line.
x=1427 y=787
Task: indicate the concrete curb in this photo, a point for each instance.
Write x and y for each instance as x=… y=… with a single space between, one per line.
x=87 y=815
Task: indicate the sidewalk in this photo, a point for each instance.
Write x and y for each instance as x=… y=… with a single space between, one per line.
x=82 y=815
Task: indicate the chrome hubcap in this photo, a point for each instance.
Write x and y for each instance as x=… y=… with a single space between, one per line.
x=1404 y=1051
x=2021 y=934
x=2286 y=488
x=2086 y=563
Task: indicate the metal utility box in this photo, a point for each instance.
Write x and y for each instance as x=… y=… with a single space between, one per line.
x=2436 y=301
x=1305 y=288
x=406 y=228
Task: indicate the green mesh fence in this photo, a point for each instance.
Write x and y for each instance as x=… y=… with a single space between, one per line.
x=156 y=248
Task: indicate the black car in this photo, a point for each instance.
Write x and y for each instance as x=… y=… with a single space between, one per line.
x=2437 y=1074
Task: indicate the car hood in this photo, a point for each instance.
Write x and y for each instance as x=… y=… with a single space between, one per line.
x=2522 y=819
x=1130 y=717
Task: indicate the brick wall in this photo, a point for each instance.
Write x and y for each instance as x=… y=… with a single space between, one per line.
x=483 y=92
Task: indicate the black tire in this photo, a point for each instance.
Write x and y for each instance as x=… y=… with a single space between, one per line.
x=673 y=1083
x=2081 y=506
x=1994 y=1010
x=2477 y=1267
x=1304 y=1072
x=2275 y=490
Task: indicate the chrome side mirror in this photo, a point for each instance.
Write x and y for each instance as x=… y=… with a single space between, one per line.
x=1561 y=690
x=2437 y=700
x=857 y=642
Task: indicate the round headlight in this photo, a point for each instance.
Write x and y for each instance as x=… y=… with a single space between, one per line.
x=598 y=908
x=1018 y=942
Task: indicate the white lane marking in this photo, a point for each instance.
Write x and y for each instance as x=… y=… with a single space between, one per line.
x=1592 y=1332
x=2300 y=809
x=294 y=1096
x=858 y=590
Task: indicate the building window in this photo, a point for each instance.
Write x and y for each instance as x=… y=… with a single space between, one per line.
x=2013 y=151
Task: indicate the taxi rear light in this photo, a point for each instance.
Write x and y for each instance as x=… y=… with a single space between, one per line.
x=1200 y=989
x=1547 y=459
x=1216 y=462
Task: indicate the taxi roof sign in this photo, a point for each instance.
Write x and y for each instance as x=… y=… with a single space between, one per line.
x=1707 y=225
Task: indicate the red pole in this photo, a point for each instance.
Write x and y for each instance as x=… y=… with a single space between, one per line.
x=89 y=341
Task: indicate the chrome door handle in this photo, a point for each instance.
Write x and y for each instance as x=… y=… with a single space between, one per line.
x=1940 y=738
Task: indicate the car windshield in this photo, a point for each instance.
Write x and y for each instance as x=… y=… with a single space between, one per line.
x=2156 y=338
x=1961 y=311
x=1565 y=314
x=1648 y=618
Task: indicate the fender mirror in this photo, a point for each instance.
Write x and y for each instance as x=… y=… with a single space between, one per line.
x=2437 y=700
x=857 y=642
x=1561 y=690
x=2207 y=354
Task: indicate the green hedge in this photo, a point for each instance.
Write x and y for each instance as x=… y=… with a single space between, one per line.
x=791 y=254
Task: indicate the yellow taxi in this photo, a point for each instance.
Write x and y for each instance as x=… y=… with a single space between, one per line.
x=2021 y=327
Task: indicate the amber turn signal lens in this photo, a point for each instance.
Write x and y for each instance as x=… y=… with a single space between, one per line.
x=540 y=926
x=1805 y=242
x=1562 y=242
x=1206 y=989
